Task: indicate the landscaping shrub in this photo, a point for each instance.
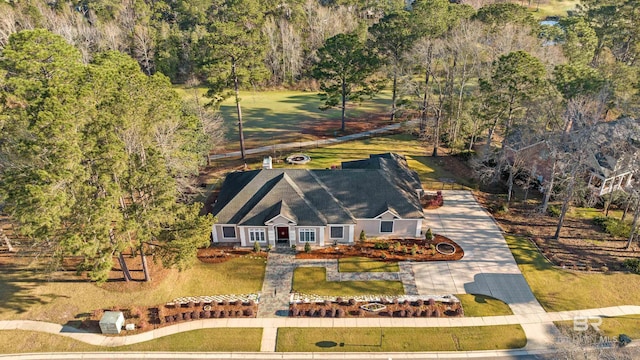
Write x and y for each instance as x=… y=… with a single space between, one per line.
x=248 y=312
x=186 y=316
x=363 y=236
x=414 y=250
x=402 y=313
x=251 y=303
x=223 y=314
x=307 y=247
x=360 y=313
x=191 y=305
x=420 y=302
x=322 y=313
x=428 y=235
x=554 y=211
x=238 y=313
x=168 y=318
x=195 y=315
x=436 y=313
x=339 y=300
x=256 y=247
x=331 y=312
x=327 y=303
x=613 y=226
x=408 y=313
x=340 y=313
x=381 y=245
x=225 y=303
x=406 y=303
x=431 y=301
x=215 y=314
x=632 y=265
x=352 y=302
x=207 y=314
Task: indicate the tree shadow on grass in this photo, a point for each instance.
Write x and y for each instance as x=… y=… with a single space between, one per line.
x=16 y=291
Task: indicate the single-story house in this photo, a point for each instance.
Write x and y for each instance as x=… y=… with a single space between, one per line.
x=379 y=195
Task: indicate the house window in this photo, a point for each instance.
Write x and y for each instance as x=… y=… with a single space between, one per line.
x=308 y=235
x=337 y=232
x=386 y=226
x=257 y=235
x=229 y=232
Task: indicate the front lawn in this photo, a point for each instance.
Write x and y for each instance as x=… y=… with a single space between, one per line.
x=227 y=339
x=362 y=264
x=482 y=305
x=312 y=280
x=560 y=290
x=400 y=339
x=25 y=294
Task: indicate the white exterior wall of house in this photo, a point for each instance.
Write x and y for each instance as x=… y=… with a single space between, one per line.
x=401 y=227
x=218 y=236
x=347 y=234
x=319 y=236
x=245 y=236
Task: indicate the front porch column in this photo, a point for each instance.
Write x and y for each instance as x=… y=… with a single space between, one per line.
x=321 y=236
x=271 y=235
x=292 y=235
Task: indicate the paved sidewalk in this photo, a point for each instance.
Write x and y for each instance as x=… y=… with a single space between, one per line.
x=313 y=143
x=535 y=320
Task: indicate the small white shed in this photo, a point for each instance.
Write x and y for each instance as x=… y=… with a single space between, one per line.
x=111 y=322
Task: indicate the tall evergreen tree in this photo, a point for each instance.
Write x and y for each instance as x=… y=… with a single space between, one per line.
x=344 y=69
x=234 y=52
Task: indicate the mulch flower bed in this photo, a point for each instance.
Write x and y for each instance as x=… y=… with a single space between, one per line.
x=146 y=319
x=389 y=250
x=432 y=201
x=218 y=254
x=352 y=308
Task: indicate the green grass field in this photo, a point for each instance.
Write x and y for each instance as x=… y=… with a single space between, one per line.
x=362 y=264
x=430 y=170
x=312 y=280
x=400 y=339
x=271 y=117
x=552 y=7
x=560 y=290
x=27 y=295
x=481 y=305
x=227 y=339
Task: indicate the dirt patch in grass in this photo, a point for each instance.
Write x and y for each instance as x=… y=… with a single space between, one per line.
x=390 y=250
x=329 y=127
x=582 y=244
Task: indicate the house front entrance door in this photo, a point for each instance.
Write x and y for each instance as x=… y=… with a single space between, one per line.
x=283 y=233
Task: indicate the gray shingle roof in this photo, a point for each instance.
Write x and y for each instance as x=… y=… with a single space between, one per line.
x=319 y=197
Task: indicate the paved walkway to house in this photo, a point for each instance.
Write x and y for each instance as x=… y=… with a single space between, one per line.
x=274 y=298
x=312 y=143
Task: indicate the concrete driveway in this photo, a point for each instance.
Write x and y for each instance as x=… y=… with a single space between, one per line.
x=487 y=268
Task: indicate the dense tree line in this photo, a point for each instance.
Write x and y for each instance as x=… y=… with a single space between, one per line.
x=467 y=73
x=97 y=159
